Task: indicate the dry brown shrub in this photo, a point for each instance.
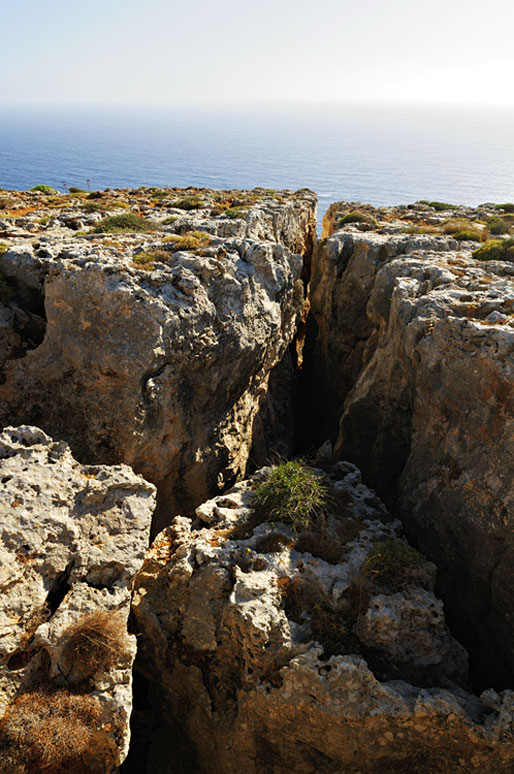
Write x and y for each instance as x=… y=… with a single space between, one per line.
x=96 y=642
x=48 y=731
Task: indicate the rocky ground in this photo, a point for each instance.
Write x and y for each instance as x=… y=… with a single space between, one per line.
x=193 y=334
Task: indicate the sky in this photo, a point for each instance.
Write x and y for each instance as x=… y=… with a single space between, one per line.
x=231 y=52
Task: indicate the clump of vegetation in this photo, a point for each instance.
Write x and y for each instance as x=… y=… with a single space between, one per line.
x=189 y=203
x=507 y=207
x=356 y=216
x=48 y=731
x=438 y=206
x=169 y=221
x=95 y=643
x=159 y=193
x=463 y=231
x=128 y=222
x=497 y=226
x=291 y=493
x=46 y=189
x=3 y=248
x=193 y=240
x=147 y=259
x=74 y=190
x=496 y=250
x=391 y=562
x=235 y=212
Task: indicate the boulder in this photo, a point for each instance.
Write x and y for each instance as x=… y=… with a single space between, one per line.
x=73 y=538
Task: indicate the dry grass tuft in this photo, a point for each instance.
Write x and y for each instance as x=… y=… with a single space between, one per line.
x=96 y=642
x=48 y=731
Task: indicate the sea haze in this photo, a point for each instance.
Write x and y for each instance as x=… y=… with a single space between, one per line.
x=373 y=154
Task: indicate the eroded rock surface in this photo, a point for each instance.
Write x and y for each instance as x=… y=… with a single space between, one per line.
x=72 y=539
x=416 y=343
x=270 y=651
x=158 y=345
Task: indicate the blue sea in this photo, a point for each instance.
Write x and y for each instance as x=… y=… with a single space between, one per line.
x=382 y=155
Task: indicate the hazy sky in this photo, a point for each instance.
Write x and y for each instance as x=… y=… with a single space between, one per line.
x=204 y=52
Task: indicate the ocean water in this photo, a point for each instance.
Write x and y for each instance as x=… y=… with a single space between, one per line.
x=373 y=154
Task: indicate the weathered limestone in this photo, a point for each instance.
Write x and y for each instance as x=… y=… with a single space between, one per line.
x=270 y=652
x=158 y=350
x=72 y=539
x=416 y=342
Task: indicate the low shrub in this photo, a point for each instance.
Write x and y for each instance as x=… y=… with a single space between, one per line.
x=189 y=203
x=159 y=193
x=291 y=493
x=44 y=189
x=496 y=250
x=74 y=190
x=355 y=217
x=96 y=642
x=497 y=226
x=507 y=207
x=463 y=231
x=128 y=222
x=48 y=731
x=169 y=221
x=469 y=235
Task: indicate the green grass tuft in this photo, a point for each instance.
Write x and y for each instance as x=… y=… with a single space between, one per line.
x=292 y=493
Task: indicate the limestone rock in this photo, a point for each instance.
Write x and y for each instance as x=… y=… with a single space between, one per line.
x=415 y=351
x=270 y=651
x=162 y=362
x=73 y=537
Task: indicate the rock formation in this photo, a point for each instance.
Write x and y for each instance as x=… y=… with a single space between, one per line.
x=73 y=537
x=272 y=651
x=158 y=345
x=165 y=329
x=414 y=347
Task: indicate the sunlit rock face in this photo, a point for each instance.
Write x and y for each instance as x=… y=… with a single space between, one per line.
x=156 y=348
x=270 y=649
x=73 y=538
x=415 y=344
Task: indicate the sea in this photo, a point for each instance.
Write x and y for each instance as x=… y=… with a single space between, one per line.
x=381 y=154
